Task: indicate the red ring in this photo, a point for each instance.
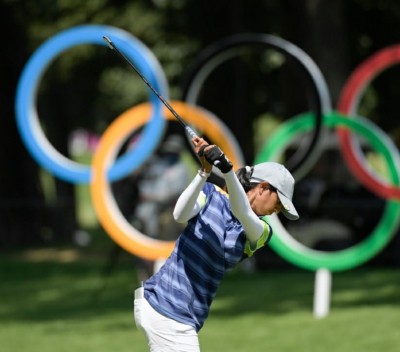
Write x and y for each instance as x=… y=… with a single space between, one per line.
x=347 y=104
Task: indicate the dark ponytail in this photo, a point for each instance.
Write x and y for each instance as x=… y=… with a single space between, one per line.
x=244 y=176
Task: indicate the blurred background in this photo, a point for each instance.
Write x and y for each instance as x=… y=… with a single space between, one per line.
x=64 y=281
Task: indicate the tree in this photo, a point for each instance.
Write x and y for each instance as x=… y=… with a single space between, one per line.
x=88 y=87
x=22 y=208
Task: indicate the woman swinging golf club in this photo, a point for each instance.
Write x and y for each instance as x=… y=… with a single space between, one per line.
x=221 y=230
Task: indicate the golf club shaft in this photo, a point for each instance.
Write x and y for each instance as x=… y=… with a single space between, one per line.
x=188 y=129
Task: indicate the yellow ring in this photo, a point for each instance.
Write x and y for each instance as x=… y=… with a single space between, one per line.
x=106 y=208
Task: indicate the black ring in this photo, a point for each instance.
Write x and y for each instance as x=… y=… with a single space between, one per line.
x=222 y=50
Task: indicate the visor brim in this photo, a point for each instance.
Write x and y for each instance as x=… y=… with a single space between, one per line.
x=288 y=208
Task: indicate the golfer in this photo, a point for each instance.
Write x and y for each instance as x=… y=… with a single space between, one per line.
x=221 y=230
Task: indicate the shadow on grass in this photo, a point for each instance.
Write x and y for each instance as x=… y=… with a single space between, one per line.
x=284 y=291
x=56 y=291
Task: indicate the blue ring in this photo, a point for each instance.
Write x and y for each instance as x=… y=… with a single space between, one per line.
x=27 y=117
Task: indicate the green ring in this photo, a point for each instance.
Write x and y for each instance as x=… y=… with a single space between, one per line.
x=295 y=252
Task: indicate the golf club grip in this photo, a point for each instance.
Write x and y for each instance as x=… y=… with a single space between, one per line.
x=190 y=132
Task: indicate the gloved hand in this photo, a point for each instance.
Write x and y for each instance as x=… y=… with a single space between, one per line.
x=216 y=157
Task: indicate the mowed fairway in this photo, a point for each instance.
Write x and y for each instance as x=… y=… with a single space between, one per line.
x=74 y=306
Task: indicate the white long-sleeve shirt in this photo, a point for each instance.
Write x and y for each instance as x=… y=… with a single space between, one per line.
x=191 y=201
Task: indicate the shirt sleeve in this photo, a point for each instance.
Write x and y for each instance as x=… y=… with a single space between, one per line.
x=253 y=226
x=191 y=201
x=262 y=241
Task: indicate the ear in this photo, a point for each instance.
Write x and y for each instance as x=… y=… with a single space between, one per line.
x=263 y=186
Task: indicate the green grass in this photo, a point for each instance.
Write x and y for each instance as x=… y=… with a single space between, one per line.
x=75 y=307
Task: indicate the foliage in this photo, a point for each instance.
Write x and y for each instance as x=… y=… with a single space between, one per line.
x=87 y=86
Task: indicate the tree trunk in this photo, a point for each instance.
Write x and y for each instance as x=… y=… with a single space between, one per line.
x=323 y=35
x=25 y=218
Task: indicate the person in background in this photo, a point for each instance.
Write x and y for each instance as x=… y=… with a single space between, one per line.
x=161 y=182
x=223 y=228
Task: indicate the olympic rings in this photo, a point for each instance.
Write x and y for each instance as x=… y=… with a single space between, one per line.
x=27 y=117
x=105 y=206
x=296 y=253
x=104 y=170
x=348 y=102
x=224 y=50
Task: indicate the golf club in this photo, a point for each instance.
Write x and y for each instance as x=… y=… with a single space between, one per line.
x=187 y=128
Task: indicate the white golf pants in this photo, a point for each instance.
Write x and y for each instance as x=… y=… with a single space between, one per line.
x=163 y=334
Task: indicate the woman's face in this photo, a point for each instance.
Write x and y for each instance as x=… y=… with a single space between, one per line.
x=265 y=200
